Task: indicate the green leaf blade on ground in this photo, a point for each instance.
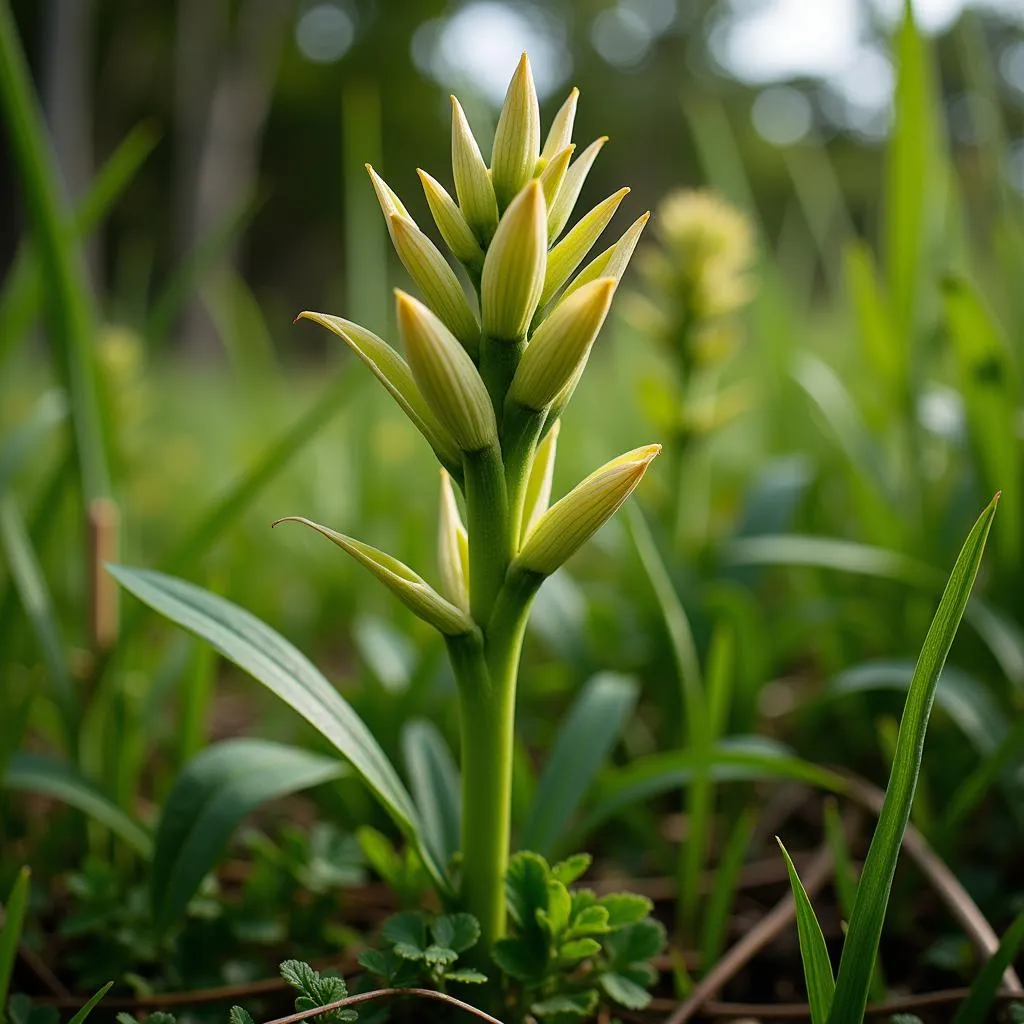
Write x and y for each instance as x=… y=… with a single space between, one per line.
x=975 y=1008
x=10 y=931
x=214 y=792
x=273 y=661
x=868 y=916
x=434 y=779
x=813 y=951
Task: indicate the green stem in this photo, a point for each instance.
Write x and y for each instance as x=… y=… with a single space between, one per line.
x=487 y=699
x=499 y=358
x=521 y=432
x=490 y=545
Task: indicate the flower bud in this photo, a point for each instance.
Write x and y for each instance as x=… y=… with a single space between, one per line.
x=436 y=279
x=565 y=257
x=452 y=548
x=613 y=261
x=542 y=473
x=513 y=273
x=517 y=137
x=553 y=175
x=569 y=523
x=388 y=199
x=560 y=132
x=457 y=234
x=446 y=376
x=560 y=344
x=472 y=179
x=561 y=209
x=394 y=373
x=412 y=590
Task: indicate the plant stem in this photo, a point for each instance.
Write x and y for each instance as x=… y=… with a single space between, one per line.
x=498 y=361
x=490 y=544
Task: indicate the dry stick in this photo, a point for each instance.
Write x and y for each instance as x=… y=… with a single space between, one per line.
x=946 y=884
x=815 y=876
x=386 y=993
x=103 y=523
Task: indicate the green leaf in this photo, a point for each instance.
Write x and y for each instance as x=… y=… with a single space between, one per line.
x=556 y=916
x=466 y=975
x=436 y=955
x=577 y=1004
x=37 y=773
x=813 y=952
x=635 y=943
x=10 y=930
x=80 y=1016
x=456 y=931
x=624 y=991
x=582 y=744
x=526 y=884
x=271 y=660
x=521 y=959
x=976 y=1007
x=408 y=930
x=625 y=908
x=727 y=870
x=211 y=796
x=589 y=920
x=861 y=946
x=569 y=870
x=577 y=949
x=236 y=1015
x=434 y=779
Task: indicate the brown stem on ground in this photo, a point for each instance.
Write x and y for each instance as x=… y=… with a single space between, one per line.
x=387 y=993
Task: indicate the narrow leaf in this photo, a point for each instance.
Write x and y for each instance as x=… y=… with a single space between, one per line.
x=976 y=1007
x=10 y=931
x=434 y=779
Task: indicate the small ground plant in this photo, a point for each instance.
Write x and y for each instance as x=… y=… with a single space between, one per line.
x=486 y=391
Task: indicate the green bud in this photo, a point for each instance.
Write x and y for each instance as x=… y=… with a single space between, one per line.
x=561 y=209
x=542 y=473
x=560 y=132
x=513 y=273
x=453 y=548
x=472 y=179
x=388 y=199
x=553 y=175
x=569 y=523
x=394 y=373
x=614 y=260
x=457 y=234
x=412 y=590
x=446 y=376
x=436 y=279
x=560 y=344
x=517 y=137
x=565 y=257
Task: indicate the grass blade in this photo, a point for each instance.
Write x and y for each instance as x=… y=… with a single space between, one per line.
x=584 y=740
x=10 y=932
x=70 y=300
x=271 y=660
x=434 y=779
x=975 y=1008
x=79 y=1017
x=861 y=946
x=18 y=444
x=813 y=952
x=723 y=893
x=214 y=792
x=60 y=780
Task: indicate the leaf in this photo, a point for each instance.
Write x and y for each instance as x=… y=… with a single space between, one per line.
x=625 y=908
x=10 y=930
x=869 y=909
x=211 y=796
x=456 y=931
x=577 y=949
x=271 y=660
x=436 y=955
x=466 y=975
x=582 y=744
x=624 y=991
x=813 y=952
x=521 y=959
x=37 y=773
x=577 y=1004
x=976 y=1007
x=407 y=929
x=526 y=885
x=556 y=916
x=635 y=943
x=236 y=1015
x=725 y=886
x=569 y=870
x=589 y=919
x=434 y=779
x=80 y=1016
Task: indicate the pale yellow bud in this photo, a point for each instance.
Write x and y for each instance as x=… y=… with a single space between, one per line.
x=553 y=175
x=570 y=522
x=446 y=376
x=436 y=279
x=452 y=548
x=565 y=202
x=513 y=273
x=565 y=257
x=560 y=132
x=411 y=589
x=472 y=179
x=614 y=260
x=517 y=137
x=561 y=344
x=388 y=199
x=457 y=234
x=394 y=373
x=542 y=473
